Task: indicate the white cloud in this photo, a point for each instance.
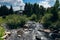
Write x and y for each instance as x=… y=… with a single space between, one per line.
x=5 y=0
x=47 y=3
x=15 y=3
x=16 y=8
x=8 y=7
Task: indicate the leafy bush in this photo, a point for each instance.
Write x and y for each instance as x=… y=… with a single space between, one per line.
x=55 y=25
x=59 y=15
x=15 y=21
x=46 y=20
x=2 y=20
x=33 y=17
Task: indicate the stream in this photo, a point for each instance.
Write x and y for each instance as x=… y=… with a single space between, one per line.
x=30 y=34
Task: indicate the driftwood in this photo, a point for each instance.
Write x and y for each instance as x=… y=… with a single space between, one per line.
x=45 y=30
x=6 y=35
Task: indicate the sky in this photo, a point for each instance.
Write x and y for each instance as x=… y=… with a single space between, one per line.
x=21 y=3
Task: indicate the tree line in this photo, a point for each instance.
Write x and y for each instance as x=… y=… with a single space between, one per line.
x=41 y=11
x=50 y=17
x=5 y=11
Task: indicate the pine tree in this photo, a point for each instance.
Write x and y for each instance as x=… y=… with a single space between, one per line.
x=3 y=10
x=36 y=8
x=42 y=10
x=11 y=10
x=54 y=11
x=56 y=4
x=28 y=9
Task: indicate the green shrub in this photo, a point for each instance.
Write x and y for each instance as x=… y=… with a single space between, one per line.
x=15 y=21
x=2 y=20
x=55 y=25
x=59 y=15
x=33 y=17
x=46 y=20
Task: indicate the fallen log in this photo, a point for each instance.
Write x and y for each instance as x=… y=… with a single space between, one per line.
x=5 y=36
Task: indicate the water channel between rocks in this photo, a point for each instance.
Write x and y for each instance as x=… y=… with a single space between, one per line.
x=29 y=34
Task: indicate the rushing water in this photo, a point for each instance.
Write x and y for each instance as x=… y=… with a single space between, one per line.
x=39 y=34
x=30 y=35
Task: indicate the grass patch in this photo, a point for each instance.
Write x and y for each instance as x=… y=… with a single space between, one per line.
x=1 y=32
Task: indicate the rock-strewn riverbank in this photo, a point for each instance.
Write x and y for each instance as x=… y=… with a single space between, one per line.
x=29 y=33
